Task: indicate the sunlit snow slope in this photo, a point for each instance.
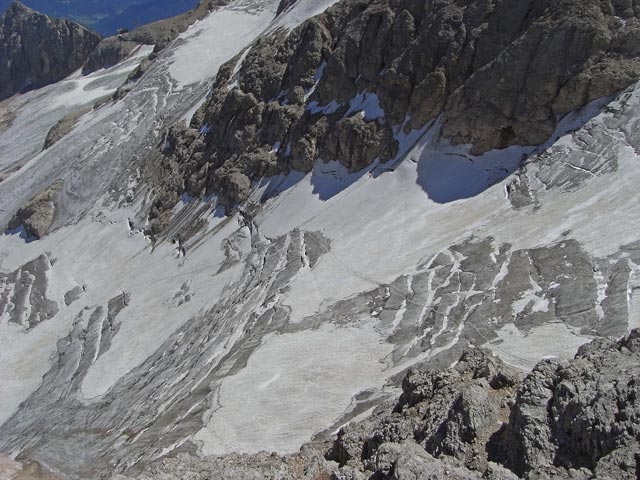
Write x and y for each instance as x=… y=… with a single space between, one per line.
x=265 y=330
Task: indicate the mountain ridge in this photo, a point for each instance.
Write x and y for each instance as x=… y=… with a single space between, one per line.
x=106 y=17
x=36 y=50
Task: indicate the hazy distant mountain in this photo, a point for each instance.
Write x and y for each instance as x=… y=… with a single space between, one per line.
x=141 y=13
x=36 y=50
x=105 y=16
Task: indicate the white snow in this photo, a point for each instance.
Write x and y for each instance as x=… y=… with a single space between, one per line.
x=24 y=359
x=331 y=107
x=317 y=76
x=367 y=104
x=101 y=252
x=293 y=386
x=633 y=297
x=552 y=340
x=85 y=89
x=531 y=298
x=217 y=38
x=380 y=225
x=40 y=109
x=383 y=225
x=111 y=262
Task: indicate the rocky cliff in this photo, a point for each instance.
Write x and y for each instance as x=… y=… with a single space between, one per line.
x=350 y=84
x=36 y=50
x=573 y=419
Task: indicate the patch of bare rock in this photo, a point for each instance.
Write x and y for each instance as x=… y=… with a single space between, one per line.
x=37 y=215
x=36 y=50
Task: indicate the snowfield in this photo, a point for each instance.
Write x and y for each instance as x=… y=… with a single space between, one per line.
x=330 y=365
x=220 y=36
x=261 y=334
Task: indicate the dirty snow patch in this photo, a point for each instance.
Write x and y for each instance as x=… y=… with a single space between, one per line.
x=293 y=386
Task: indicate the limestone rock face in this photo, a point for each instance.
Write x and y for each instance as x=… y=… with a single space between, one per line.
x=449 y=413
x=109 y=52
x=581 y=414
x=38 y=214
x=567 y=419
x=36 y=50
x=343 y=85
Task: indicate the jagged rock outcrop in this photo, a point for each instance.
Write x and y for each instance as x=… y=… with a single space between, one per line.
x=343 y=85
x=449 y=413
x=580 y=415
x=109 y=52
x=567 y=419
x=24 y=294
x=36 y=50
x=38 y=214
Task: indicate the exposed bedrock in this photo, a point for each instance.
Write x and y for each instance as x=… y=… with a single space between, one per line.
x=36 y=50
x=568 y=419
x=24 y=294
x=344 y=84
x=37 y=215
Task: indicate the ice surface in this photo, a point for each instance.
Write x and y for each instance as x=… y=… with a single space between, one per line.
x=40 y=109
x=113 y=262
x=522 y=350
x=293 y=386
x=217 y=38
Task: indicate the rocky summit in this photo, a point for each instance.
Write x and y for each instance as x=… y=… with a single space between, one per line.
x=36 y=50
x=322 y=240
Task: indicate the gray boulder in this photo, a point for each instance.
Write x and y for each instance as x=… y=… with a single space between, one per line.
x=37 y=215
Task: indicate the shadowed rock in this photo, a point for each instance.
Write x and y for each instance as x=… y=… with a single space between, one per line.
x=36 y=50
x=342 y=85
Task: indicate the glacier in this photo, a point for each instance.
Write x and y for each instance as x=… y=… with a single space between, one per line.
x=270 y=329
